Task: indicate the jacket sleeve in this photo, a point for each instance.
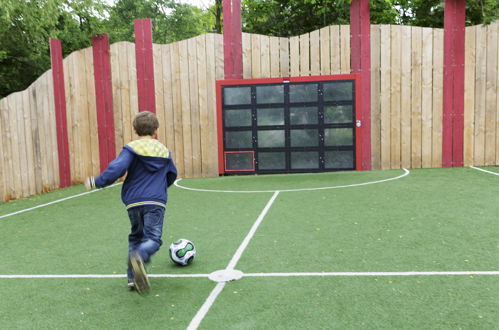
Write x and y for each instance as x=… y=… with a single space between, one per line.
x=115 y=170
x=171 y=176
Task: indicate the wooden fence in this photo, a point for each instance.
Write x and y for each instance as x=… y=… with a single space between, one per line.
x=406 y=101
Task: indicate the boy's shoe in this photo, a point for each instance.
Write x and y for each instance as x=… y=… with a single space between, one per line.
x=131 y=285
x=140 y=280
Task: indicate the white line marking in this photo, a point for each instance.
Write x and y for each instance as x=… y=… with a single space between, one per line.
x=302 y=274
x=406 y=172
x=206 y=306
x=56 y=201
x=247 y=239
x=481 y=169
x=106 y=276
x=216 y=291
x=363 y=274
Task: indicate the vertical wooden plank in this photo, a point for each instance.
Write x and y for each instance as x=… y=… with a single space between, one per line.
x=438 y=72
x=345 y=48
x=194 y=108
x=167 y=95
x=294 y=56
x=395 y=76
x=265 y=56
x=104 y=99
x=480 y=92
x=325 y=50
x=275 y=70
x=255 y=56
x=212 y=161
x=416 y=90
x=405 y=96
x=203 y=103
x=54 y=178
x=68 y=67
x=305 y=55
x=124 y=86
x=184 y=107
x=315 y=53
x=375 y=97
x=87 y=129
x=219 y=63
x=9 y=189
x=74 y=87
x=284 y=57
x=426 y=98
x=247 y=57
x=35 y=138
x=335 y=49
x=177 y=106
x=19 y=110
x=92 y=140
x=3 y=167
x=60 y=112
x=491 y=96
x=14 y=146
x=145 y=65
x=126 y=75
x=385 y=102
x=158 y=85
x=497 y=100
x=41 y=91
x=26 y=97
x=118 y=91
x=469 y=95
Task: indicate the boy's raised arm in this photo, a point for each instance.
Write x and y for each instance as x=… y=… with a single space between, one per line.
x=116 y=169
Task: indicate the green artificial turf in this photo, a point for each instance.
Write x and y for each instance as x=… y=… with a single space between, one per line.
x=430 y=220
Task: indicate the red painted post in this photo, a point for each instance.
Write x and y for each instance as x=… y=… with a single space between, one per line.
x=360 y=43
x=233 y=60
x=60 y=113
x=145 y=64
x=104 y=99
x=453 y=89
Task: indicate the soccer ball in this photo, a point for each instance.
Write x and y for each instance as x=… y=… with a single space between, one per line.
x=182 y=252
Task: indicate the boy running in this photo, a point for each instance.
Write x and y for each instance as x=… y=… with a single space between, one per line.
x=150 y=171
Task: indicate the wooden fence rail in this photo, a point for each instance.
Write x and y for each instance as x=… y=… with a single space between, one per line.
x=406 y=100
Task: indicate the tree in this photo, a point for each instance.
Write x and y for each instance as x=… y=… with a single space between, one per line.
x=172 y=21
x=27 y=26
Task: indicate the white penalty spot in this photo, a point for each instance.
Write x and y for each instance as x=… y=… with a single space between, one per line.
x=226 y=275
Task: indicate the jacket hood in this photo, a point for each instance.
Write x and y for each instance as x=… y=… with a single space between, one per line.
x=152 y=153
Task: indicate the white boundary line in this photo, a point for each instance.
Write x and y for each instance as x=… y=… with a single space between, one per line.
x=481 y=169
x=406 y=172
x=56 y=201
x=302 y=274
x=194 y=324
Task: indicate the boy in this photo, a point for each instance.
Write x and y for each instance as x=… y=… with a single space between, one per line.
x=150 y=171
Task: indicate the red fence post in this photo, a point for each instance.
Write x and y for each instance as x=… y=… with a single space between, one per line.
x=453 y=89
x=233 y=49
x=104 y=99
x=360 y=43
x=145 y=64
x=60 y=113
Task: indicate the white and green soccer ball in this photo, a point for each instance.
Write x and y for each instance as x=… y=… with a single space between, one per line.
x=182 y=252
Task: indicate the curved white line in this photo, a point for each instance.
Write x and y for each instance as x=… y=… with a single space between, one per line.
x=406 y=172
x=481 y=169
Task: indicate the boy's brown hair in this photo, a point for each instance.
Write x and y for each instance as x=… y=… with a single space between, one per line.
x=145 y=123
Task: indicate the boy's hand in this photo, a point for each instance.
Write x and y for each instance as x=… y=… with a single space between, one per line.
x=89 y=183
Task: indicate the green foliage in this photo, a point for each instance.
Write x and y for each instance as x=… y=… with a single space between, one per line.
x=27 y=25
x=172 y=21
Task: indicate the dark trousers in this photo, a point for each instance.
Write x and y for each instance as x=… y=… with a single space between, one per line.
x=145 y=236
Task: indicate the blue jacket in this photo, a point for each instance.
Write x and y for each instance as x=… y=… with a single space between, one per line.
x=150 y=172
